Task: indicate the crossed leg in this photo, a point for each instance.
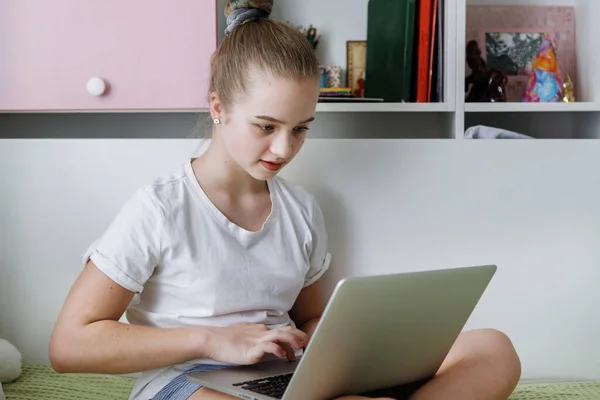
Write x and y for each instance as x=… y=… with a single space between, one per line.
x=482 y=365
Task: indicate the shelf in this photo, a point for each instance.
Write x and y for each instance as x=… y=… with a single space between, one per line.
x=532 y=107
x=382 y=107
x=321 y=107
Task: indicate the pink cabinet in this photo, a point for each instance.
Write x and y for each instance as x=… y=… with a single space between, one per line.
x=105 y=54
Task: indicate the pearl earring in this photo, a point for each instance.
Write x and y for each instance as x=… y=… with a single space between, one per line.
x=217 y=121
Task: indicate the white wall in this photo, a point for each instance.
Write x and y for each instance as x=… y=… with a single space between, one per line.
x=531 y=207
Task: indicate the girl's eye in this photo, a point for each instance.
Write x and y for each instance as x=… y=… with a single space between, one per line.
x=266 y=128
x=301 y=129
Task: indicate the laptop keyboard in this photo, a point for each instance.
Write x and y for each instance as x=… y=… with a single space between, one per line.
x=272 y=386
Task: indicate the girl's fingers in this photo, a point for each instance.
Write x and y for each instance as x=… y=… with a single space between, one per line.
x=290 y=354
x=272 y=348
x=295 y=338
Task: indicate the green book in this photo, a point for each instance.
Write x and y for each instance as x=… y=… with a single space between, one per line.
x=390 y=45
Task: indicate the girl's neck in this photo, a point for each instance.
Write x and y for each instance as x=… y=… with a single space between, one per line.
x=214 y=170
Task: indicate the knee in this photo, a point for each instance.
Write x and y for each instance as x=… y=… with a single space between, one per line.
x=495 y=348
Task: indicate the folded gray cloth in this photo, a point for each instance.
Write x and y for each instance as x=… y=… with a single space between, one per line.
x=488 y=132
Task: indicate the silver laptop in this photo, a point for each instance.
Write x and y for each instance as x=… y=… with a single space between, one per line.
x=376 y=332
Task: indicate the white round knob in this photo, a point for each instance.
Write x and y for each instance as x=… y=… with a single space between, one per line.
x=96 y=86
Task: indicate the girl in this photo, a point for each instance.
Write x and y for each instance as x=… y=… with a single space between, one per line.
x=220 y=262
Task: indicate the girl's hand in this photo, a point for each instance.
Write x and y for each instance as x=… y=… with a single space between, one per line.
x=245 y=344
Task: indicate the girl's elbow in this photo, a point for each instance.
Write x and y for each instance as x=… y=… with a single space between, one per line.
x=61 y=352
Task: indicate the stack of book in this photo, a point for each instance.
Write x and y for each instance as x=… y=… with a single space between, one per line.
x=336 y=92
x=335 y=95
x=405 y=50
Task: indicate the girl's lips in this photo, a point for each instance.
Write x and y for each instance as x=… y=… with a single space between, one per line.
x=271 y=166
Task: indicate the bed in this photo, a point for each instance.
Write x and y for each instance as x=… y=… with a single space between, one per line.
x=40 y=382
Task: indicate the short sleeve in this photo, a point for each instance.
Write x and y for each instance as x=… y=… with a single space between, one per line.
x=320 y=258
x=129 y=250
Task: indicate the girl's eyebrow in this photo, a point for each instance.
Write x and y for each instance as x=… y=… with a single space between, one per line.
x=266 y=118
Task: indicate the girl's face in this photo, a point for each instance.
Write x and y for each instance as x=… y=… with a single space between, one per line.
x=264 y=129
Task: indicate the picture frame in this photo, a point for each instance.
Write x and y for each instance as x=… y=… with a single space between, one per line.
x=356 y=65
x=523 y=25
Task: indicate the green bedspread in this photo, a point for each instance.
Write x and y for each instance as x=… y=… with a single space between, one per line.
x=42 y=383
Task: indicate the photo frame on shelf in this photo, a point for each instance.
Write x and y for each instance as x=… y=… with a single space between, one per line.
x=510 y=36
x=356 y=64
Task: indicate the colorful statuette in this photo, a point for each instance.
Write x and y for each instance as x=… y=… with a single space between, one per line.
x=544 y=83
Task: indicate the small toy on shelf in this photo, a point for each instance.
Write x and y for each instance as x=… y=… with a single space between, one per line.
x=334 y=76
x=323 y=76
x=331 y=76
x=569 y=91
x=483 y=84
x=310 y=33
x=544 y=83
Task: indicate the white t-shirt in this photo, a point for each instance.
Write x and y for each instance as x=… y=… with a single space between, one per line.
x=189 y=265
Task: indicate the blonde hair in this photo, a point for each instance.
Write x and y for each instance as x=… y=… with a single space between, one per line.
x=253 y=41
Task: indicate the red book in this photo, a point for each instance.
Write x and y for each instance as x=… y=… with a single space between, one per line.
x=432 y=40
x=424 y=50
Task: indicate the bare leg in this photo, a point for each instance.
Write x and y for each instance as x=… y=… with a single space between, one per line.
x=362 y=398
x=482 y=365
x=207 y=394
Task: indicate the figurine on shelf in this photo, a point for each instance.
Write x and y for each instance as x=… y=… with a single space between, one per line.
x=544 y=83
x=485 y=84
x=569 y=92
x=323 y=76
x=312 y=37
x=310 y=33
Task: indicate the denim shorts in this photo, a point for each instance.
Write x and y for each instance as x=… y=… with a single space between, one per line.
x=181 y=389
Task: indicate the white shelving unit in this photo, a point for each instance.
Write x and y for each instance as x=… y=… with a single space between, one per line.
x=546 y=120
x=541 y=120
x=339 y=21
